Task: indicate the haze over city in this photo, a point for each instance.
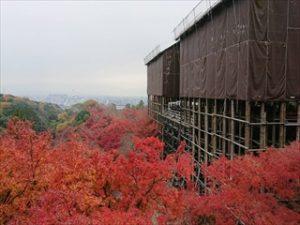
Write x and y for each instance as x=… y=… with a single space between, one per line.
x=82 y=48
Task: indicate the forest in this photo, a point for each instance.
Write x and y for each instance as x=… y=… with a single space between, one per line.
x=93 y=164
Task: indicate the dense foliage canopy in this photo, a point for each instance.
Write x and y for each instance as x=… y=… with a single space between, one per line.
x=109 y=169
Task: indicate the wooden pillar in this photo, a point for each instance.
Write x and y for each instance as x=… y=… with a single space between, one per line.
x=282 y=124
x=162 y=118
x=199 y=129
x=163 y=105
x=298 y=121
x=224 y=128
x=190 y=111
x=148 y=108
x=184 y=110
x=232 y=129
x=247 y=125
x=263 y=127
x=214 y=128
x=206 y=130
x=240 y=124
x=193 y=120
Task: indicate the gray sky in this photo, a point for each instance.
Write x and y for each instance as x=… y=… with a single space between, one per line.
x=85 y=48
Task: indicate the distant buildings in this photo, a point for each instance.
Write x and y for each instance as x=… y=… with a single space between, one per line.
x=67 y=100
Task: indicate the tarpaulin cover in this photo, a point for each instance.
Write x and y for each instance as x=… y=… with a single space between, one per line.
x=163 y=73
x=246 y=50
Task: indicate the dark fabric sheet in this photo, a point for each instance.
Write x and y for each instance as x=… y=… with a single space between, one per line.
x=243 y=70
x=231 y=71
x=257 y=70
x=276 y=79
x=293 y=64
x=220 y=71
x=163 y=73
x=155 y=77
x=258 y=26
x=246 y=50
x=294 y=13
x=277 y=22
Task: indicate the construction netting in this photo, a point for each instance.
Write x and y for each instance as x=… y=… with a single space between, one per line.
x=243 y=49
x=163 y=73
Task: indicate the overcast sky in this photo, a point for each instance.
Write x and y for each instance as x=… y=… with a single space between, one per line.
x=82 y=48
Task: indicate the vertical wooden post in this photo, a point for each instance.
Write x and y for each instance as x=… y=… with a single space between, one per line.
x=199 y=129
x=298 y=121
x=224 y=128
x=184 y=110
x=247 y=125
x=162 y=105
x=263 y=127
x=149 y=105
x=214 y=128
x=282 y=124
x=206 y=147
x=273 y=142
x=232 y=129
x=190 y=111
x=193 y=120
x=206 y=130
x=162 y=118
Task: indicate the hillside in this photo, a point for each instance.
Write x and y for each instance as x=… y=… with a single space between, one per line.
x=43 y=115
x=49 y=116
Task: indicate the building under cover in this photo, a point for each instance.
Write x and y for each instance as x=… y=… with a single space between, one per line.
x=231 y=82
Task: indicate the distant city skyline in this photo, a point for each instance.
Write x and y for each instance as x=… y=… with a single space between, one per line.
x=82 y=48
x=69 y=100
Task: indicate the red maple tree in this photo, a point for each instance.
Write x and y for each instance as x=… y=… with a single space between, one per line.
x=76 y=184
x=95 y=177
x=256 y=190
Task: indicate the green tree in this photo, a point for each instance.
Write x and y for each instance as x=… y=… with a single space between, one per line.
x=140 y=105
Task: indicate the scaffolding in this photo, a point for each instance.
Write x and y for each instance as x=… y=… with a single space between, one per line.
x=213 y=128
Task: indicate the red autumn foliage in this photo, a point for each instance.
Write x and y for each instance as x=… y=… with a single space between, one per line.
x=256 y=190
x=73 y=183
x=110 y=131
x=89 y=179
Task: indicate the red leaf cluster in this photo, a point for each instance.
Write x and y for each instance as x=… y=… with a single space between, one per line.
x=73 y=183
x=112 y=131
x=111 y=171
x=256 y=190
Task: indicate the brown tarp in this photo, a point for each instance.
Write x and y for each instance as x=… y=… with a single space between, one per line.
x=293 y=64
x=247 y=50
x=163 y=73
x=294 y=13
x=155 y=77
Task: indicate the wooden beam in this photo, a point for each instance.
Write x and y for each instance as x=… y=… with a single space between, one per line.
x=298 y=121
x=214 y=128
x=247 y=126
x=193 y=119
x=224 y=127
x=206 y=129
x=282 y=124
x=232 y=129
x=199 y=129
x=263 y=128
